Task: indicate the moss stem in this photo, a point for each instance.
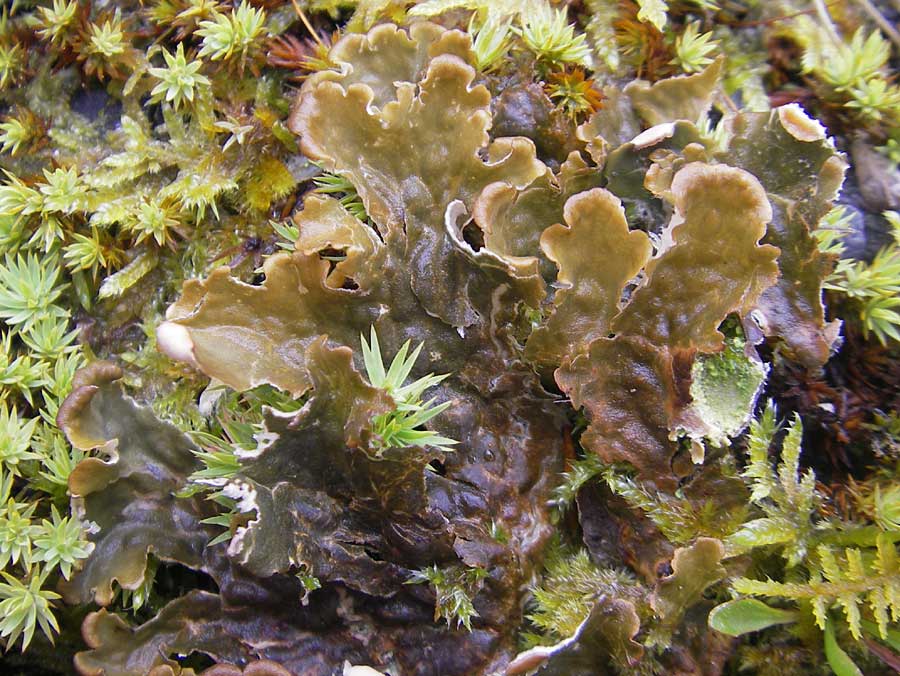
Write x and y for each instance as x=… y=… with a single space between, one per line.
x=825 y=18
x=306 y=23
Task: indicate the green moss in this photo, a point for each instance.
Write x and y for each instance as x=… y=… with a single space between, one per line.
x=145 y=144
x=724 y=387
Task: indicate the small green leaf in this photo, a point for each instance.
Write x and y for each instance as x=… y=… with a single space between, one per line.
x=653 y=11
x=373 y=360
x=838 y=660
x=742 y=616
x=762 y=532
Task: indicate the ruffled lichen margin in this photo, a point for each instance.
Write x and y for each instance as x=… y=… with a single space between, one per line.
x=403 y=118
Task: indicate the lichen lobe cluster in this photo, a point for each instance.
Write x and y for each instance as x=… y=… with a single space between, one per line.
x=316 y=499
x=402 y=118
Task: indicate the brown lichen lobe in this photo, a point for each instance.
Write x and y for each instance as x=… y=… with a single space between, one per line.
x=716 y=265
x=320 y=500
x=633 y=384
x=597 y=255
x=402 y=118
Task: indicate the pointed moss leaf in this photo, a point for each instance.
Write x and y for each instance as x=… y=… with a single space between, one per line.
x=743 y=616
x=373 y=360
x=401 y=366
